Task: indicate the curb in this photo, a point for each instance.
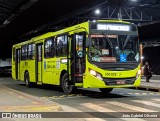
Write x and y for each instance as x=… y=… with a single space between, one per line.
x=34 y=108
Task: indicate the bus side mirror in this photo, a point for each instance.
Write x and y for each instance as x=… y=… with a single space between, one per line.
x=88 y=42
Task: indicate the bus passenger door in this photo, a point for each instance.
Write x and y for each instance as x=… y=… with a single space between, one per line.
x=38 y=62
x=77 y=55
x=17 y=64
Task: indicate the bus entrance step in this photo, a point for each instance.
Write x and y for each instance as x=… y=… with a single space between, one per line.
x=39 y=83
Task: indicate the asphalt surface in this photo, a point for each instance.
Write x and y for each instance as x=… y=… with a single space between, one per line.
x=121 y=101
x=154 y=77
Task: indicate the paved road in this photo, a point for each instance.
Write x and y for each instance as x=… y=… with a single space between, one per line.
x=154 y=77
x=91 y=100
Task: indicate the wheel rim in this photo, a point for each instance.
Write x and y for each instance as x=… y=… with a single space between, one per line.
x=27 y=81
x=67 y=87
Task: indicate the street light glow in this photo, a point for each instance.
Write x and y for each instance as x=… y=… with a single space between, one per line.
x=97 y=11
x=142 y=57
x=94 y=21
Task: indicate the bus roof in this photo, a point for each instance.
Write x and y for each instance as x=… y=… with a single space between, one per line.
x=68 y=29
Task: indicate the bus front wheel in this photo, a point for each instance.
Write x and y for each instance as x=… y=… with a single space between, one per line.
x=26 y=80
x=65 y=84
x=105 y=90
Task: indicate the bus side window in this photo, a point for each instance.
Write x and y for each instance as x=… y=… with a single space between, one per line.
x=49 y=50
x=61 y=48
x=31 y=51
x=24 y=52
x=79 y=45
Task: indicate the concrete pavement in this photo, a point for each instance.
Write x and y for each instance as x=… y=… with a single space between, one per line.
x=119 y=100
x=15 y=101
x=153 y=85
x=22 y=102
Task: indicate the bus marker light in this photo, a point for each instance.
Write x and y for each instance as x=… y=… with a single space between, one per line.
x=78 y=74
x=139 y=71
x=64 y=60
x=138 y=74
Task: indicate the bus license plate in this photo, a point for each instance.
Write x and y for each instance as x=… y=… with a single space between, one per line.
x=120 y=82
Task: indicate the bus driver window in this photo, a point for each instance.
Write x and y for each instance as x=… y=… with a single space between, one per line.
x=79 y=45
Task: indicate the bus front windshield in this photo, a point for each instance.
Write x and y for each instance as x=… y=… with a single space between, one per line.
x=114 y=48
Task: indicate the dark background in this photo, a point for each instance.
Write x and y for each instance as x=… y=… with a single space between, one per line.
x=43 y=11
x=52 y=11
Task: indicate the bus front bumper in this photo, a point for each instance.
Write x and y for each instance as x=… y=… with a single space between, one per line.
x=92 y=82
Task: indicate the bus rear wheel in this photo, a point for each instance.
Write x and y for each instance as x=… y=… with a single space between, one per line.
x=65 y=84
x=26 y=80
x=105 y=90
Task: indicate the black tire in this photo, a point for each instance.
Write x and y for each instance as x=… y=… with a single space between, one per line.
x=26 y=80
x=65 y=85
x=105 y=90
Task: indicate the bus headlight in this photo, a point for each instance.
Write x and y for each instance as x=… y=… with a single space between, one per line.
x=138 y=74
x=92 y=72
x=96 y=74
x=99 y=76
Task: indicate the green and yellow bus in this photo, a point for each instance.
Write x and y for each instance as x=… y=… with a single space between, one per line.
x=100 y=54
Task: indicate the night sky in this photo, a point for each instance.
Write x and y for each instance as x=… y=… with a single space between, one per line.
x=151 y=54
x=149 y=31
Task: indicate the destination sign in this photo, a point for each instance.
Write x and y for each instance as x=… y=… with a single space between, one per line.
x=114 y=27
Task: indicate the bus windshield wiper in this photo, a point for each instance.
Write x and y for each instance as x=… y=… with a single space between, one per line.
x=110 y=43
x=126 y=41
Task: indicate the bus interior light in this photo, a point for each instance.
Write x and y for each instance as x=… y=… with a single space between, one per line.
x=116 y=48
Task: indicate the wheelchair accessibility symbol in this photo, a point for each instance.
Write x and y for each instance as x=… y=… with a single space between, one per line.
x=79 y=53
x=123 y=58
